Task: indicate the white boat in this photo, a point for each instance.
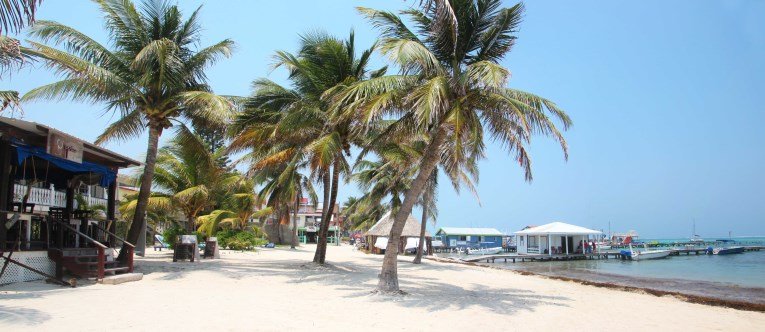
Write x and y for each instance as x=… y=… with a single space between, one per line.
x=647 y=253
x=484 y=251
x=696 y=238
x=603 y=246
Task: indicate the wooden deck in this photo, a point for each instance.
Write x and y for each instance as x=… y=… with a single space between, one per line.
x=597 y=255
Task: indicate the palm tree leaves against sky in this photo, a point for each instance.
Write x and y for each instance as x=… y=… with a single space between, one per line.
x=190 y=174
x=295 y=124
x=152 y=76
x=14 y=16
x=451 y=87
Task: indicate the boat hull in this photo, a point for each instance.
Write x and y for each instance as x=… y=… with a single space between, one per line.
x=484 y=251
x=644 y=255
x=728 y=251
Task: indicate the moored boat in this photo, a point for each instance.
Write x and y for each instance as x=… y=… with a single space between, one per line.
x=484 y=251
x=645 y=254
x=727 y=248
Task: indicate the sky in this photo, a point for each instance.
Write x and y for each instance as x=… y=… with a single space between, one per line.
x=665 y=97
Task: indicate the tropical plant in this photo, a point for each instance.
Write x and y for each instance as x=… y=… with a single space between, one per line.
x=240 y=210
x=16 y=14
x=284 y=186
x=191 y=176
x=295 y=125
x=153 y=77
x=392 y=176
x=452 y=88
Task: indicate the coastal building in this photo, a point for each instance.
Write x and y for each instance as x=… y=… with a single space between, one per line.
x=556 y=238
x=50 y=184
x=461 y=237
x=308 y=222
x=377 y=235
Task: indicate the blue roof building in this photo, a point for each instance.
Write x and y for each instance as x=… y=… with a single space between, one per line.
x=460 y=237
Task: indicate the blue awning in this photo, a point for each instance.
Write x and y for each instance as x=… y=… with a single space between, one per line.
x=107 y=175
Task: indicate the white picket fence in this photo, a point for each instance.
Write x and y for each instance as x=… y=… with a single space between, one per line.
x=49 y=197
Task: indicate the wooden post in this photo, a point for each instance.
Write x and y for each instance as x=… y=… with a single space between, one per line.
x=111 y=205
x=69 y=199
x=6 y=187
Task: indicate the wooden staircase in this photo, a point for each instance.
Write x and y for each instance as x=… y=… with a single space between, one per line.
x=91 y=261
x=85 y=263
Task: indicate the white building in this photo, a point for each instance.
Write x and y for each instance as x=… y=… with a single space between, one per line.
x=555 y=238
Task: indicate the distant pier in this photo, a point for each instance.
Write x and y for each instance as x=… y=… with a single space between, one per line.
x=596 y=255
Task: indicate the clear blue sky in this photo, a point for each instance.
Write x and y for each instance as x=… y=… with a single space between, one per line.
x=665 y=98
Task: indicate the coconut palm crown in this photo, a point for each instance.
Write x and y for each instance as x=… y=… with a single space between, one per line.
x=152 y=75
x=452 y=87
x=294 y=125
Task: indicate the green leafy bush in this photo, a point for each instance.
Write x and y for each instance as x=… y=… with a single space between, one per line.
x=238 y=240
x=171 y=235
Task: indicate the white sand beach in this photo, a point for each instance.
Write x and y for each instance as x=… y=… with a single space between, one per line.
x=278 y=290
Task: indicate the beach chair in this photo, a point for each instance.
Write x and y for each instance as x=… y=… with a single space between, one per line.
x=161 y=240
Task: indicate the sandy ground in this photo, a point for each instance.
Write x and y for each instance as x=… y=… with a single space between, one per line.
x=276 y=290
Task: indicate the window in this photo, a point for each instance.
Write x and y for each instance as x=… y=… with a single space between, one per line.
x=533 y=241
x=463 y=238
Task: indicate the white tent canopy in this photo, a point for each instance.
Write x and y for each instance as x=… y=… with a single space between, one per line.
x=558 y=228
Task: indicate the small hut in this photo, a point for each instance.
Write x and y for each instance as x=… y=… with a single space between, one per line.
x=377 y=235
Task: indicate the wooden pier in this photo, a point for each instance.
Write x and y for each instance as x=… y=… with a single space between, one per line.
x=596 y=255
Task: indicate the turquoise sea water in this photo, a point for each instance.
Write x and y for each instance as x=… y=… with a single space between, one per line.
x=736 y=277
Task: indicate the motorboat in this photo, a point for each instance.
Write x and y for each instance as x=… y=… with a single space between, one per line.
x=646 y=254
x=484 y=251
x=727 y=248
x=603 y=245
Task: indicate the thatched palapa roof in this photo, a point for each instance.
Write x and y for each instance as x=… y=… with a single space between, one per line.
x=384 y=225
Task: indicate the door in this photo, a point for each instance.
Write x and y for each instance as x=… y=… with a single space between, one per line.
x=570 y=244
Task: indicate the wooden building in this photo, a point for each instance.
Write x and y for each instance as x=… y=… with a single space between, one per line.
x=44 y=231
x=464 y=237
x=377 y=235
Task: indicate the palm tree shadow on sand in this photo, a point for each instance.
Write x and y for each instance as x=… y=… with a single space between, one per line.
x=357 y=280
x=22 y=316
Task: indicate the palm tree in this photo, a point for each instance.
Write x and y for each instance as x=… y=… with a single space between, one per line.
x=295 y=125
x=285 y=186
x=452 y=88
x=159 y=209
x=190 y=174
x=14 y=16
x=12 y=57
x=154 y=75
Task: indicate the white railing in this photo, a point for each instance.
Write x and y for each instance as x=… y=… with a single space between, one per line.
x=92 y=201
x=49 y=197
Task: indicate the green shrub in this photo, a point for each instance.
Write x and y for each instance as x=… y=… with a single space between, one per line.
x=171 y=235
x=238 y=240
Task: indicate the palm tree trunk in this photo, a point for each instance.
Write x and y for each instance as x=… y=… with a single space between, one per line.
x=388 y=282
x=294 y=223
x=418 y=257
x=190 y=224
x=278 y=224
x=321 y=247
x=139 y=217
